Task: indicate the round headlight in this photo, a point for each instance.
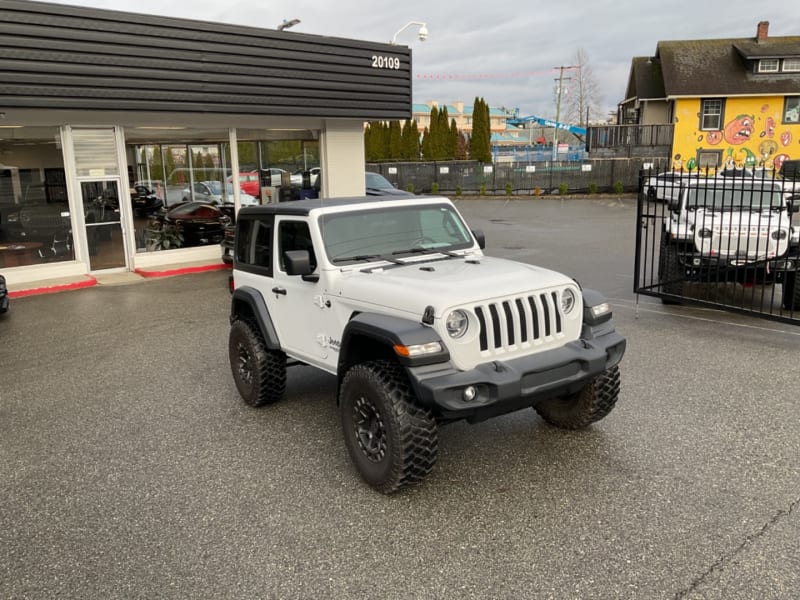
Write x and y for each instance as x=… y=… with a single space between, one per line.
x=567 y=301
x=456 y=323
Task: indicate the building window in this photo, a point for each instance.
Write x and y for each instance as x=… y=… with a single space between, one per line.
x=791 y=109
x=768 y=65
x=711 y=115
x=791 y=65
x=36 y=216
x=709 y=159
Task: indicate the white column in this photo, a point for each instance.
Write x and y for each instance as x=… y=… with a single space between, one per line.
x=341 y=148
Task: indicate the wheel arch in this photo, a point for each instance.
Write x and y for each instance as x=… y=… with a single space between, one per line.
x=369 y=336
x=248 y=304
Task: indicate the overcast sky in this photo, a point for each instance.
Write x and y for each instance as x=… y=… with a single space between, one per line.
x=503 y=51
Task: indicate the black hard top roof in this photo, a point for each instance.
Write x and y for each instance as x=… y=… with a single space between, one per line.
x=304 y=207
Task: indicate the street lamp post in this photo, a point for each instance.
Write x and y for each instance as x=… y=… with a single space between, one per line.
x=423 y=31
x=558 y=108
x=287 y=24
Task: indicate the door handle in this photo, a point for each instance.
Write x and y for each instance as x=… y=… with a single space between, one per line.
x=279 y=290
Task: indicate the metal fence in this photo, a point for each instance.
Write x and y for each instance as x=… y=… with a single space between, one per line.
x=624 y=136
x=519 y=178
x=729 y=241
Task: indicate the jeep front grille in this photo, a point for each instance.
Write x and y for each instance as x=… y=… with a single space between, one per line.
x=526 y=319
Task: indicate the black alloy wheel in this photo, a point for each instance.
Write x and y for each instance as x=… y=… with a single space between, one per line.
x=392 y=440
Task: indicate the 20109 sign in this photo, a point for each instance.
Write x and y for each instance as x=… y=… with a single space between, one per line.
x=385 y=62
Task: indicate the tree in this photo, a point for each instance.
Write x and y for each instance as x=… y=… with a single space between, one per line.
x=584 y=93
x=426 y=144
x=481 y=142
x=410 y=140
x=452 y=140
x=395 y=141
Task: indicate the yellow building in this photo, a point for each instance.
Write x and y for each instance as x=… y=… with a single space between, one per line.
x=732 y=102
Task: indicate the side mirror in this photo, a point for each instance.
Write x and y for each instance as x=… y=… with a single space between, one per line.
x=480 y=238
x=298 y=262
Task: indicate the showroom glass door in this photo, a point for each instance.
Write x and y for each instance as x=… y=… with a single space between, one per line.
x=104 y=238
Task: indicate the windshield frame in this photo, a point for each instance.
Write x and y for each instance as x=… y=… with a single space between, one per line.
x=396 y=232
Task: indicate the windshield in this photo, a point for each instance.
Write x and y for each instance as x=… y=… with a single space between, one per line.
x=378 y=182
x=215 y=187
x=748 y=198
x=393 y=232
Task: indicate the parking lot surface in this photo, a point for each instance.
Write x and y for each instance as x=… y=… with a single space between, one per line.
x=130 y=468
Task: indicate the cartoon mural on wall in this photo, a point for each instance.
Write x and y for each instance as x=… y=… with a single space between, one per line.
x=755 y=134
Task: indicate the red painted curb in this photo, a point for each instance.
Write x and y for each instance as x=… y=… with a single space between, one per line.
x=181 y=271
x=89 y=282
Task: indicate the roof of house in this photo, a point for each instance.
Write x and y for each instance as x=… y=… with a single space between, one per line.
x=646 y=80
x=719 y=67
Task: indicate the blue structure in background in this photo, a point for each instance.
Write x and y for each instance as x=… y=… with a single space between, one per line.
x=537 y=152
x=522 y=121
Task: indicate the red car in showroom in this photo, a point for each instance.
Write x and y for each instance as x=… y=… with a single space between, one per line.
x=192 y=224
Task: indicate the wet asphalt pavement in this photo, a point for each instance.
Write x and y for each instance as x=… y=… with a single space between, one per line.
x=129 y=468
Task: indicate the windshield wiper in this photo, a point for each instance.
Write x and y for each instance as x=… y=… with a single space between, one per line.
x=428 y=251
x=367 y=257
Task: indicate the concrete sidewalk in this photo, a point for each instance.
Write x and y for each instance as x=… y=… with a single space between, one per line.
x=114 y=278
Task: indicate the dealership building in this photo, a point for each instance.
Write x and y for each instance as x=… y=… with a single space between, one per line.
x=106 y=116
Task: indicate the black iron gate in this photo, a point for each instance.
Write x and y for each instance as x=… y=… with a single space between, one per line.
x=728 y=240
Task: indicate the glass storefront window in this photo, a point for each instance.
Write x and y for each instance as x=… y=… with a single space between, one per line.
x=176 y=174
x=179 y=189
x=35 y=219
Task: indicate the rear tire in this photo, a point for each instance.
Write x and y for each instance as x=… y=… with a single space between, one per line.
x=590 y=404
x=392 y=441
x=791 y=292
x=259 y=373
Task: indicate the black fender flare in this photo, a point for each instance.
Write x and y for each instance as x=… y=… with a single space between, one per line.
x=254 y=301
x=388 y=332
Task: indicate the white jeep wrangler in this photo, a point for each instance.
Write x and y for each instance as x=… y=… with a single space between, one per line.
x=396 y=298
x=723 y=230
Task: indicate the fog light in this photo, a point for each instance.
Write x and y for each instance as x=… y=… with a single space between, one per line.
x=470 y=393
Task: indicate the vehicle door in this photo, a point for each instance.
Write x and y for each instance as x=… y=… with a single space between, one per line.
x=297 y=304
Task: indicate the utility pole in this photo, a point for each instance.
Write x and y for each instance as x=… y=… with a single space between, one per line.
x=560 y=81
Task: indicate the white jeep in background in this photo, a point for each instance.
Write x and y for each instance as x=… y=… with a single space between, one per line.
x=731 y=230
x=396 y=298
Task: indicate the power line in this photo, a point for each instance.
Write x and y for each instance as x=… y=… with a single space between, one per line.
x=472 y=76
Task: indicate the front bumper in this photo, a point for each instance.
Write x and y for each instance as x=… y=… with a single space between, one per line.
x=506 y=386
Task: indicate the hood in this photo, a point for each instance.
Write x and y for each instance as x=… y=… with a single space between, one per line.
x=444 y=283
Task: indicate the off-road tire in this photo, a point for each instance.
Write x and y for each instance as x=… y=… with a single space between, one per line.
x=791 y=292
x=259 y=373
x=670 y=270
x=652 y=195
x=392 y=440
x=589 y=405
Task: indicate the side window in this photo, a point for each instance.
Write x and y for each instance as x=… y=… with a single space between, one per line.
x=295 y=235
x=709 y=159
x=711 y=110
x=791 y=109
x=253 y=250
